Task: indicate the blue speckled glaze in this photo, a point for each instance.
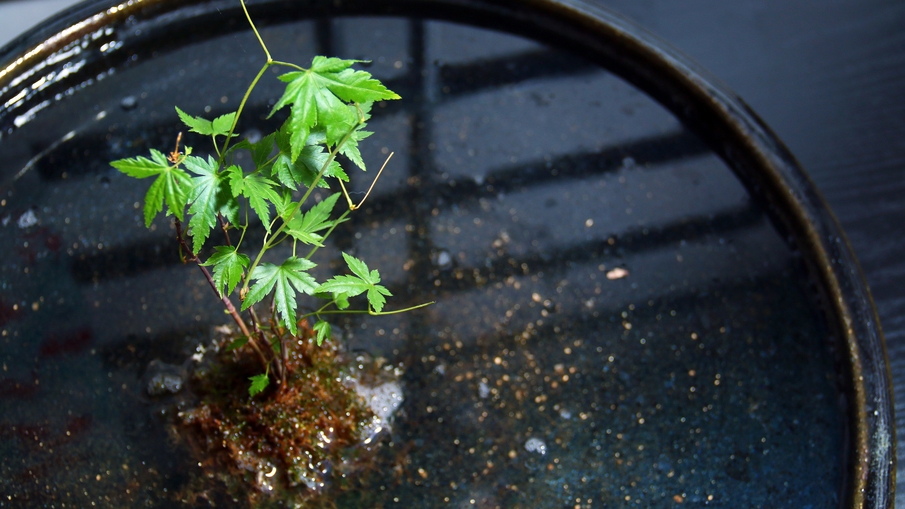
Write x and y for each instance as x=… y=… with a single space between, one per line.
x=618 y=323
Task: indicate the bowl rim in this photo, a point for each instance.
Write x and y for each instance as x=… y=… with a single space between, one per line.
x=702 y=102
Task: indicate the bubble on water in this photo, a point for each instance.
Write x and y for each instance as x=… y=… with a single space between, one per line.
x=128 y=103
x=383 y=400
x=536 y=445
x=483 y=390
x=162 y=378
x=27 y=219
x=442 y=259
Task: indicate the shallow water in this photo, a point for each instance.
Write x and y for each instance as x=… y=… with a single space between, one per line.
x=616 y=322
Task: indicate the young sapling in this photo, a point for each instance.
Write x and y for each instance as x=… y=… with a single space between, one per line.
x=311 y=419
x=329 y=105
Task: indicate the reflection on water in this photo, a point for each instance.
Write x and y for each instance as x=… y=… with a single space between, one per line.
x=616 y=323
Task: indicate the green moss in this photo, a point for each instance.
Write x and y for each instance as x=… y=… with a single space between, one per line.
x=296 y=442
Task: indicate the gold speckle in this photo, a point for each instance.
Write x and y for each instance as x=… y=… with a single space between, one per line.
x=617 y=273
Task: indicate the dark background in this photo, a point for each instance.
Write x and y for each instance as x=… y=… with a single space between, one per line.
x=828 y=76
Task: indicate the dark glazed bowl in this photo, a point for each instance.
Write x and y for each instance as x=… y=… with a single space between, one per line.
x=112 y=34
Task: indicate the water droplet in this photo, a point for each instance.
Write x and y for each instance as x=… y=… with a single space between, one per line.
x=27 y=219
x=128 y=103
x=442 y=259
x=536 y=445
x=483 y=390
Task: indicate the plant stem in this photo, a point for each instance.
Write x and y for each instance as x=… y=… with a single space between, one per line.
x=223 y=227
x=255 y=30
x=255 y=323
x=397 y=311
x=367 y=311
x=285 y=365
x=251 y=87
x=235 y=314
x=287 y=64
x=224 y=298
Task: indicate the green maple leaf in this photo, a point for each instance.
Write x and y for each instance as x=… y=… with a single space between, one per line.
x=218 y=127
x=260 y=151
x=304 y=227
x=210 y=196
x=285 y=205
x=258 y=384
x=303 y=169
x=318 y=97
x=172 y=185
x=229 y=266
x=363 y=280
x=350 y=147
x=340 y=300
x=258 y=189
x=283 y=280
x=323 y=331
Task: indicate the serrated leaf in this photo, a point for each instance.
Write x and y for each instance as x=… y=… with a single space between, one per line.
x=210 y=196
x=283 y=280
x=218 y=127
x=171 y=187
x=313 y=157
x=153 y=201
x=334 y=116
x=177 y=186
x=360 y=269
x=260 y=151
x=142 y=167
x=285 y=205
x=158 y=157
x=195 y=124
x=304 y=227
x=229 y=266
x=318 y=97
x=341 y=301
x=306 y=165
x=258 y=384
x=323 y=331
x=350 y=147
x=376 y=297
x=222 y=124
x=363 y=280
x=332 y=64
x=259 y=191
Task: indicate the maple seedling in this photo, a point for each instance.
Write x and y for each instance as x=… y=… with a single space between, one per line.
x=329 y=105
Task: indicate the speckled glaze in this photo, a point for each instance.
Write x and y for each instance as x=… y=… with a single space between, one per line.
x=525 y=352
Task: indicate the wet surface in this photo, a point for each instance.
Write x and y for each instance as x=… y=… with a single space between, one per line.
x=616 y=322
